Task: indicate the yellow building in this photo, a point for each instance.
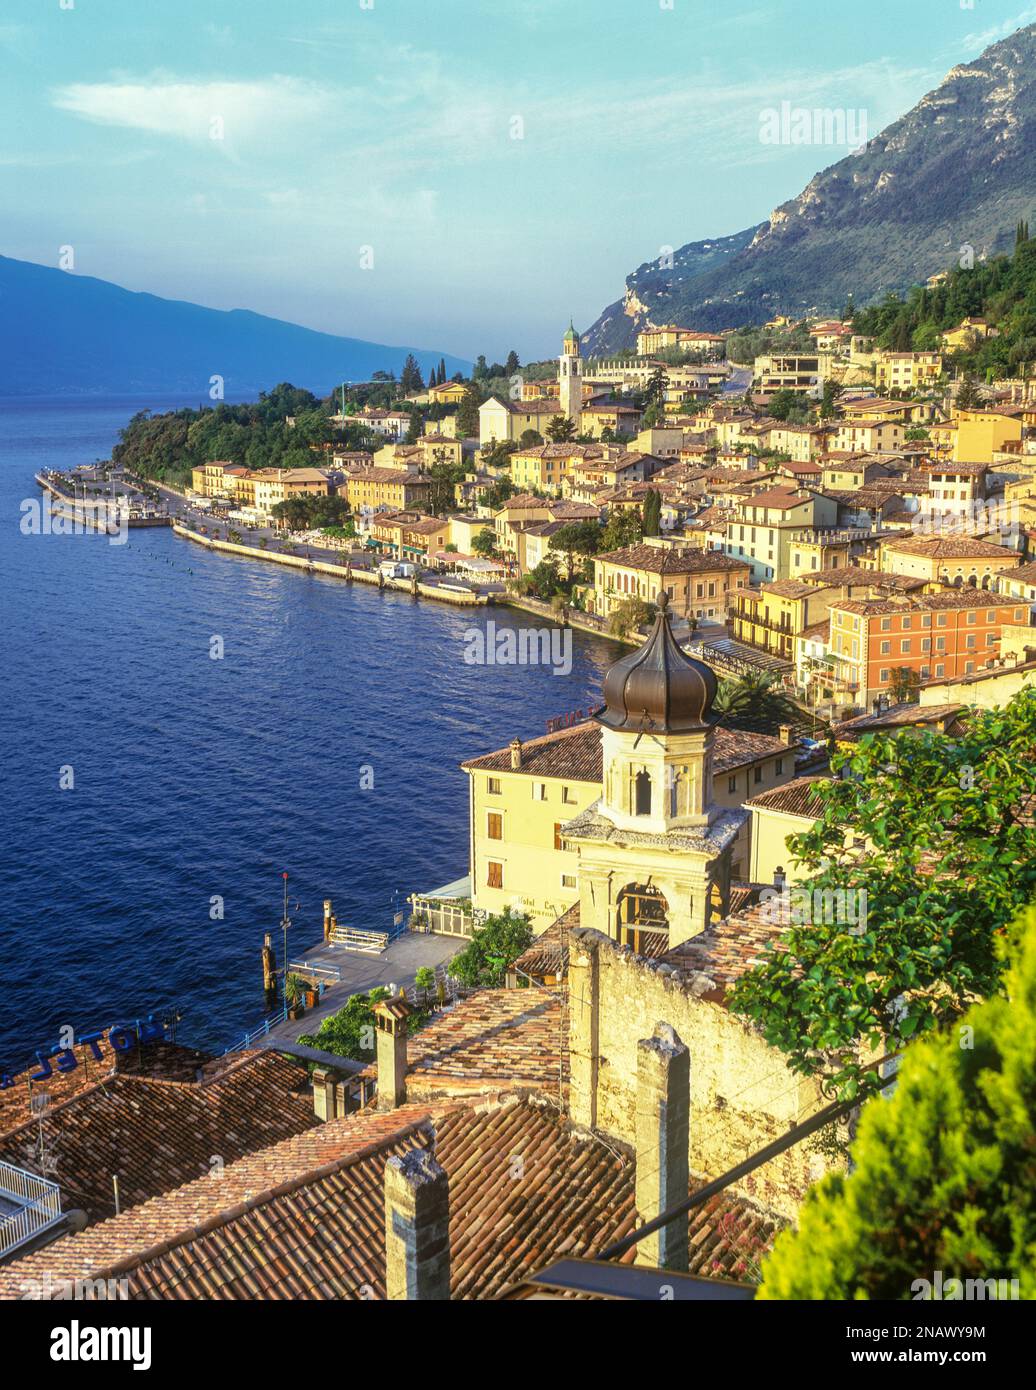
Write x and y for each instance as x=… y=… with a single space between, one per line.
x=790 y=809
x=449 y=393
x=524 y=798
x=371 y=488
x=867 y=436
x=546 y=466
x=979 y=434
x=950 y=559
x=699 y=584
x=273 y=485
x=773 y=616
x=907 y=371
x=500 y=420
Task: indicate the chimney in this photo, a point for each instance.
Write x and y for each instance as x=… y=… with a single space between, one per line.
x=324 y=1080
x=390 y=1022
x=787 y=734
x=516 y=753
x=662 y=1136
x=417 y=1228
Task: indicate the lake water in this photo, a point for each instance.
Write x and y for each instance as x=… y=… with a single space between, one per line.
x=196 y=778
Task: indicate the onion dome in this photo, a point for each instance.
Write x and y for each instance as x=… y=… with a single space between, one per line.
x=571 y=337
x=657 y=688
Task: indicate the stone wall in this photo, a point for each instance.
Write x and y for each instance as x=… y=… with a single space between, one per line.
x=742 y=1094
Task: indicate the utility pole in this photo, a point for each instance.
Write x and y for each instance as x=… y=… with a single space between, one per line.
x=285 y=924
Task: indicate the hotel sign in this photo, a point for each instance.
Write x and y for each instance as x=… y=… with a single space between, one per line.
x=120 y=1037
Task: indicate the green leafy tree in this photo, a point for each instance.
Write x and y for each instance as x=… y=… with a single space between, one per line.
x=629 y=615
x=424 y=979
x=530 y=438
x=485 y=542
x=411 y=381
x=576 y=538
x=560 y=429
x=350 y=1031
x=933 y=836
x=655 y=388
x=484 y=961
x=968 y=396
x=512 y=364
x=942 y=1174
x=903 y=685
x=623 y=528
x=467 y=412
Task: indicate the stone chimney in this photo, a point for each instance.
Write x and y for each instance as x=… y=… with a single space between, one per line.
x=390 y=1022
x=786 y=734
x=417 y=1228
x=516 y=753
x=662 y=1137
x=324 y=1081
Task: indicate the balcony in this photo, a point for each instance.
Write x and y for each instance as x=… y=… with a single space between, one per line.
x=29 y=1205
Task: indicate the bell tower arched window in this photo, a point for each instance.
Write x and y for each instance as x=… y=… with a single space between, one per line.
x=642 y=794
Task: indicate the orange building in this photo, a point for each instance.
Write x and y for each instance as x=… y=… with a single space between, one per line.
x=935 y=636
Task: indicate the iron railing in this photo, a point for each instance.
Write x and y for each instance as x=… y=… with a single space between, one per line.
x=37 y=1204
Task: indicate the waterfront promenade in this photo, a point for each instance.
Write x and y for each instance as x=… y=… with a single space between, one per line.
x=360 y=971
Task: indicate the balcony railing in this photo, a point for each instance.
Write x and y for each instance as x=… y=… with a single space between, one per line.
x=29 y=1204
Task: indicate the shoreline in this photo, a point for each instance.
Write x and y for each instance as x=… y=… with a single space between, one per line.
x=345 y=572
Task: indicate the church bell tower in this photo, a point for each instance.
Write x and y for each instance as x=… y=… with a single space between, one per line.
x=570 y=378
x=654 y=851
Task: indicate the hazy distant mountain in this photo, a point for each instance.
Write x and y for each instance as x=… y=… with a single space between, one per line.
x=958 y=170
x=64 y=333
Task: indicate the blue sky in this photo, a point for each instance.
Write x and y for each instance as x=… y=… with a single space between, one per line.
x=390 y=124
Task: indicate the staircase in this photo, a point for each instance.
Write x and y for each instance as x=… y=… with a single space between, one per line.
x=356 y=939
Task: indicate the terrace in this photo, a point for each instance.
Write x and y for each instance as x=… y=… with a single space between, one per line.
x=29 y=1205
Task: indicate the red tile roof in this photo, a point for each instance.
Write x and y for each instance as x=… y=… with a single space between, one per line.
x=306 y=1219
x=574 y=754
x=156 y=1134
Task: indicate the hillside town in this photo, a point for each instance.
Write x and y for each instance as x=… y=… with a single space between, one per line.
x=616 y=1078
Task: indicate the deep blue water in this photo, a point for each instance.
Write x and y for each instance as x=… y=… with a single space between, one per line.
x=196 y=777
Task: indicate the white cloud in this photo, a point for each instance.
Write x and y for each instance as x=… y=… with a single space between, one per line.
x=193 y=110
x=975 y=43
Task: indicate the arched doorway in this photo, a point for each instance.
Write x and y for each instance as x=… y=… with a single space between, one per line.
x=642 y=917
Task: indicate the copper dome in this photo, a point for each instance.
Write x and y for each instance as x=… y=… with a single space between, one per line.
x=658 y=688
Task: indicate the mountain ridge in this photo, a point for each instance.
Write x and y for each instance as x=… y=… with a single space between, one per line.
x=957 y=170
x=76 y=334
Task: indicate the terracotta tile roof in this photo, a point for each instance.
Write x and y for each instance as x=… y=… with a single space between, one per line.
x=306 y=1220
x=779 y=498
x=574 y=754
x=712 y=961
x=170 y=1060
x=548 y=954
x=923 y=603
x=798 y=797
x=651 y=558
x=896 y=717
x=156 y=1134
x=491 y=1042
x=952 y=547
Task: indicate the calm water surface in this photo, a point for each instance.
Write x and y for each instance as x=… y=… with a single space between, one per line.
x=194 y=777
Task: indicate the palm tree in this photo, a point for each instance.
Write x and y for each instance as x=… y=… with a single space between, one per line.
x=753 y=699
